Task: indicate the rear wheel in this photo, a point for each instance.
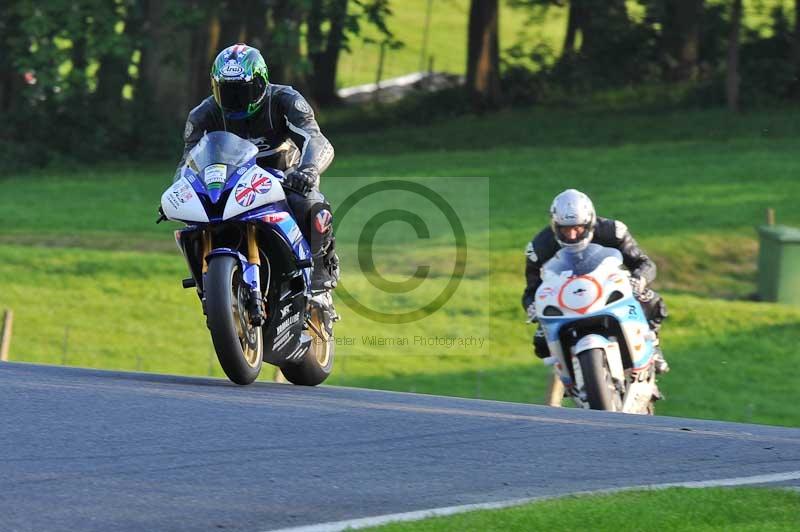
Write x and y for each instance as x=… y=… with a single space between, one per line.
x=600 y=390
x=236 y=341
x=317 y=363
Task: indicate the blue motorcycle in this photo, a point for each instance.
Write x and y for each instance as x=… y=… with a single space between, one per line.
x=249 y=262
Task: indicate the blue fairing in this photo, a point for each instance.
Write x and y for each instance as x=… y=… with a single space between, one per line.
x=286 y=227
x=624 y=311
x=194 y=180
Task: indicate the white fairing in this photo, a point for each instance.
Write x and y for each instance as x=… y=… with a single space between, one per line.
x=180 y=202
x=591 y=341
x=255 y=188
x=584 y=294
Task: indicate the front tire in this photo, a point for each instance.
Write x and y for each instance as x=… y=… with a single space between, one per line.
x=236 y=341
x=600 y=390
x=317 y=363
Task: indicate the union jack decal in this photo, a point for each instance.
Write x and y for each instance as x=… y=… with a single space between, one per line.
x=246 y=192
x=323 y=221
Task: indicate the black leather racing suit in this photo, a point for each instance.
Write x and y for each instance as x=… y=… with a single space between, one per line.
x=288 y=137
x=608 y=233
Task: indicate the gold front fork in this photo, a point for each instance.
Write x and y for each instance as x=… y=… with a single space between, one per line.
x=206 y=248
x=252 y=246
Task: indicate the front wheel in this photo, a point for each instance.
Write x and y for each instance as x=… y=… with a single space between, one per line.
x=317 y=363
x=236 y=341
x=600 y=390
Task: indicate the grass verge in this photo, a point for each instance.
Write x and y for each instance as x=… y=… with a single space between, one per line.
x=675 y=509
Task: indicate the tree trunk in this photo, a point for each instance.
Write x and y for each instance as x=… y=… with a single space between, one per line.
x=599 y=26
x=732 y=77
x=153 y=34
x=568 y=50
x=796 y=42
x=162 y=84
x=283 y=42
x=113 y=73
x=255 y=26
x=10 y=80
x=234 y=17
x=77 y=76
x=325 y=59
x=483 y=58
x=203 y=48
x=681 y=38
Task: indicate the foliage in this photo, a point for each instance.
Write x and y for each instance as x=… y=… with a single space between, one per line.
x=90 y=73
x=637 y=54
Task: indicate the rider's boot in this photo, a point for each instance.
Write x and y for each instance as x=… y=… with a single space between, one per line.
x=323 y=280
x=540 y=347
x=660 y=363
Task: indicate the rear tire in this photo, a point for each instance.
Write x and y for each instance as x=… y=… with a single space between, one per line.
x=600 y=390
x=317 y=363
x=236 y=341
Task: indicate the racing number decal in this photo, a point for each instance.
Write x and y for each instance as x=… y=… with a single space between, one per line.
x=579 y=293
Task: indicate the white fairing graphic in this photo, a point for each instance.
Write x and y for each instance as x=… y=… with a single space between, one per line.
x=180 y=202
x=254 y=189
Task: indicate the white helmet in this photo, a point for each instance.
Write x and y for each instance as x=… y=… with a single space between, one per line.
x=573 y=208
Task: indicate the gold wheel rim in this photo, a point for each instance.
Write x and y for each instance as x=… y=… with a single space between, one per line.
x=250 y=354
x=320 y=341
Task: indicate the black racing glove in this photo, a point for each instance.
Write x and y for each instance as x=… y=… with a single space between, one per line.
x=302 y=180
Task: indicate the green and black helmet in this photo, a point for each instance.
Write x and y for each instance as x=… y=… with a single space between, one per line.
x=239 y=80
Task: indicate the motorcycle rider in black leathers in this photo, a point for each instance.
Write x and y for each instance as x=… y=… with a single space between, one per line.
x=281 y=123
x=573 y=223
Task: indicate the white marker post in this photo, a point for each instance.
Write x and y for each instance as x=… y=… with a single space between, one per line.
x=5 y=336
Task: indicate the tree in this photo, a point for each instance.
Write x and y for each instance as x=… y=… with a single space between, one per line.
x=600 y=24
x=732 y=75
x=483 y=58
x=681 y=30
x=601 y=46
x=680 y=36
x=114 y=51
x=571 y=35
x=11 y=37
x=323 y=49
x=796 y=40
x=282 y=42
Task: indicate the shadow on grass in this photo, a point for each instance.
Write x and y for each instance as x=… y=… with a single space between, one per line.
x=98 y=241
x=570 y=128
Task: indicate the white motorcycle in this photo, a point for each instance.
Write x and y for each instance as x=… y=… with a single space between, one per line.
x=600 y=343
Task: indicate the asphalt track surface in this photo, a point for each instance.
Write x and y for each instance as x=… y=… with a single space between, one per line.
x=92 y=450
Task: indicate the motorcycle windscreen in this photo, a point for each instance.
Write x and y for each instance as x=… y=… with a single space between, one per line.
x=221 y=147
x=582 y=262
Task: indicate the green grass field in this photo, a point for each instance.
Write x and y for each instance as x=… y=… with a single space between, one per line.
x=675 y=509
x=94 y=282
